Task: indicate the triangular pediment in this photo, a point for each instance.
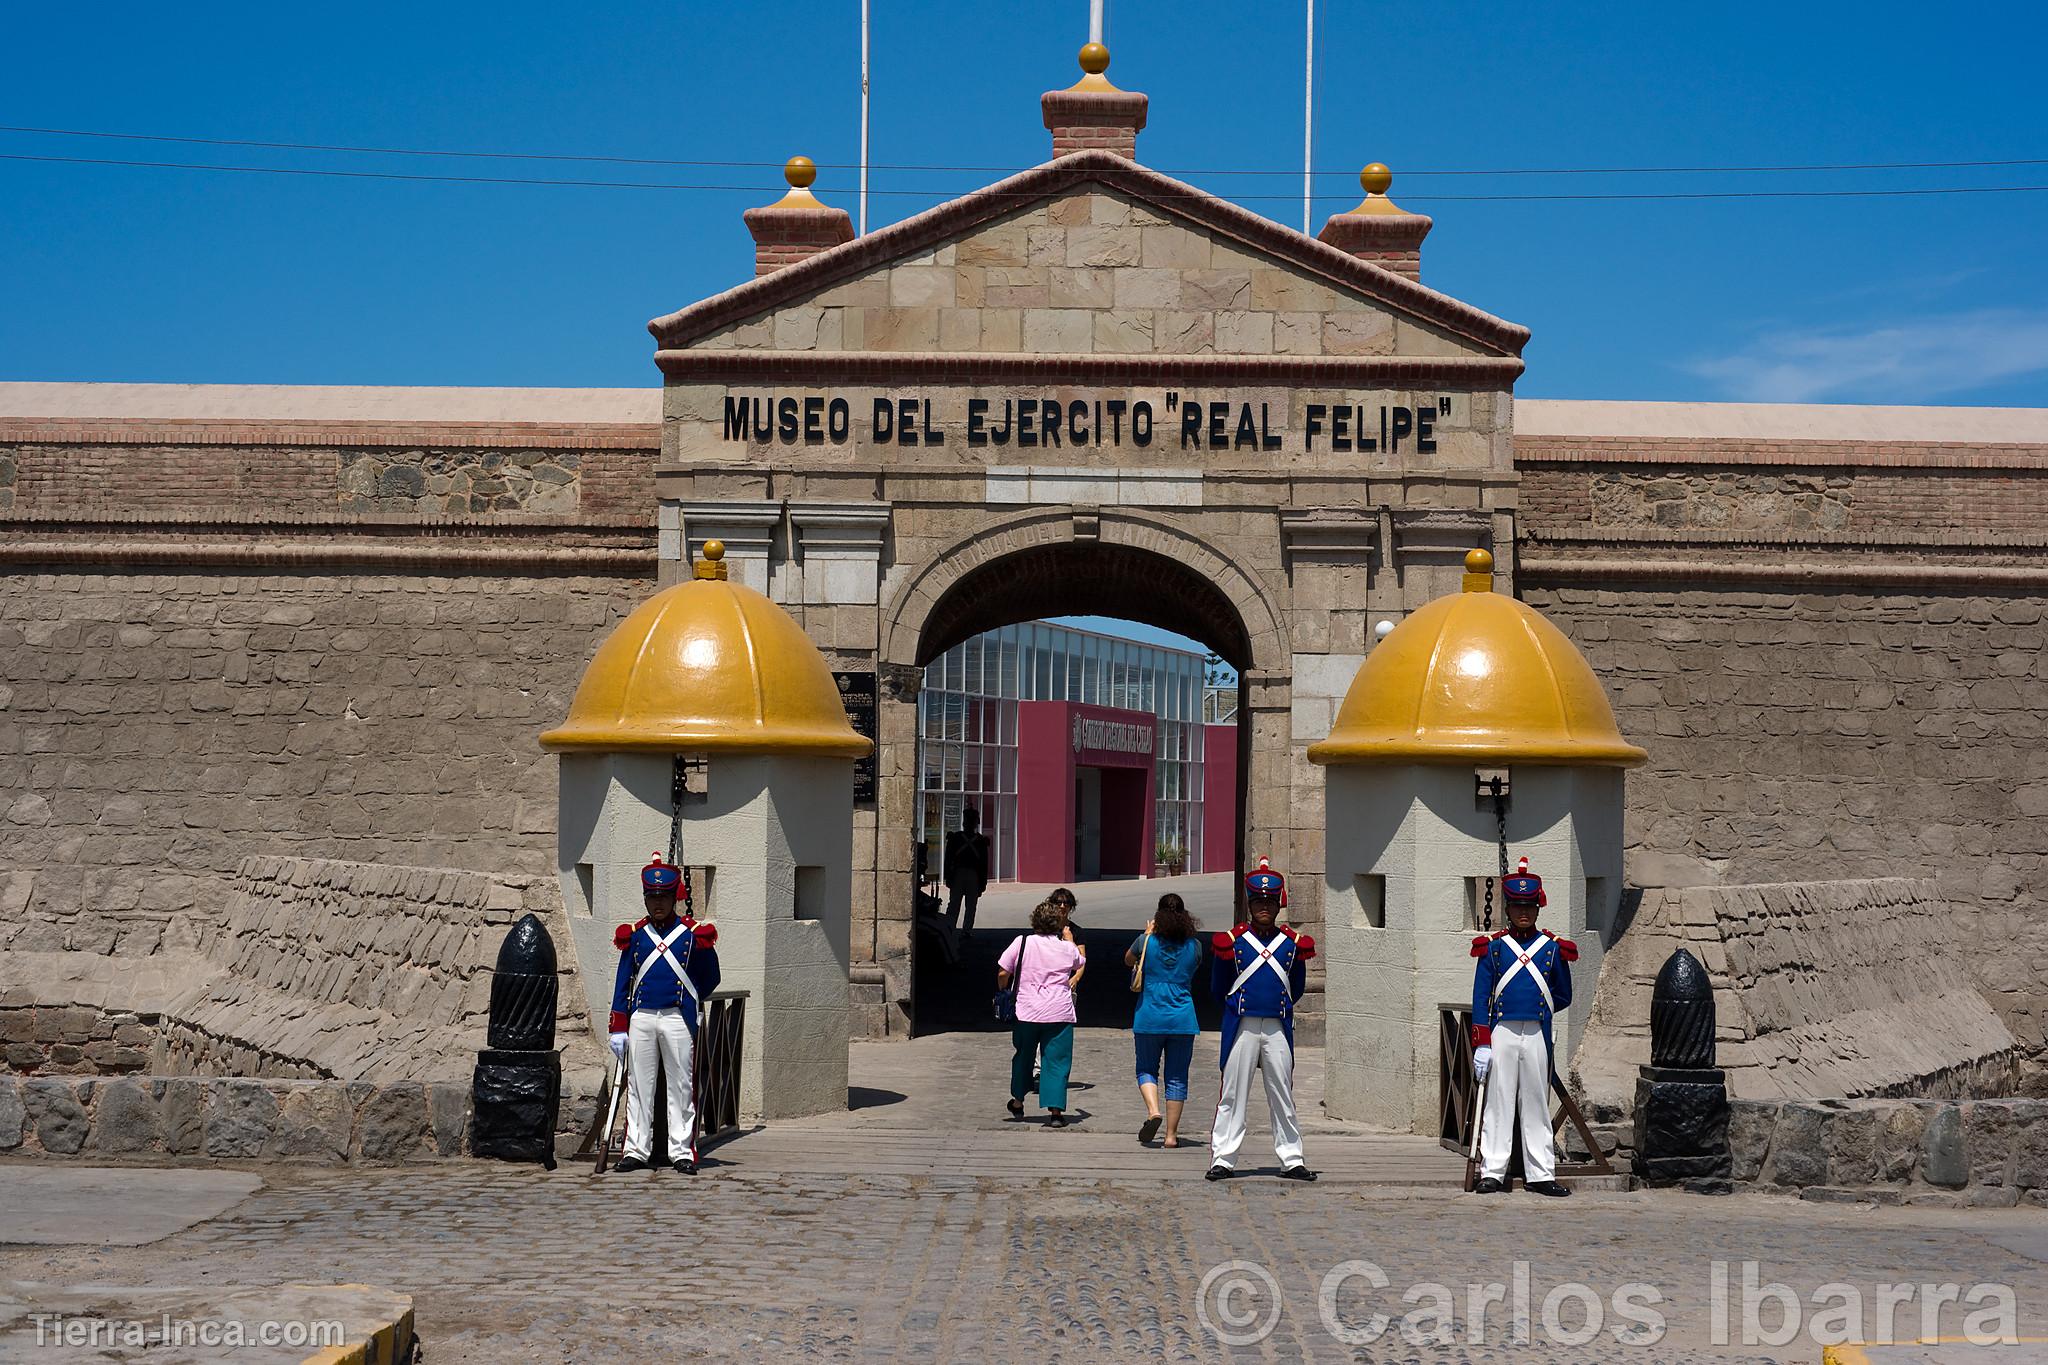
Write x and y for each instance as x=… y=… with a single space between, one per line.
x=1092 y=254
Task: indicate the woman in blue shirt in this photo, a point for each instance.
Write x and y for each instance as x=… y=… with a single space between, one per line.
x=1164 y=1027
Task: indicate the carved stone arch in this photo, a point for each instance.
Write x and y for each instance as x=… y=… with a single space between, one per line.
x=1144 y=566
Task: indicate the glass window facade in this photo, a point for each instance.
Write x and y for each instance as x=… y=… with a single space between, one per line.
x=967 y=728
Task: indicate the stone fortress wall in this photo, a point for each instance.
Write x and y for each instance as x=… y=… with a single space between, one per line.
x=1825 y=624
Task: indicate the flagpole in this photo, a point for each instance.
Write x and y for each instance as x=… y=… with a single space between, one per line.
x=863 y=117
x=1094 y=21
x=1308 y=116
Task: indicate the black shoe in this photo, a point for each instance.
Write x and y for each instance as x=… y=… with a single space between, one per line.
x=1056 y=1121
x=1149 y=1129
x=1016 y=1108
x=1546 y=1187
x=1219 y=1172
x=685 y=1166
x=628 y=1164
x=1298 y=1173
x=1488 y=1185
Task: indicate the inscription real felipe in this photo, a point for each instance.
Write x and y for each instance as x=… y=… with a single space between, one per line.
x=1082 y=423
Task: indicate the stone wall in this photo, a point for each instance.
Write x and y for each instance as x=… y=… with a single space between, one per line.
x=157 y=727
x=58 y=468
x=1852 y=988
x=37 y=1037
x=142 y=1117
x=1848 y=732
x=306 y=969
x=1984 y=1154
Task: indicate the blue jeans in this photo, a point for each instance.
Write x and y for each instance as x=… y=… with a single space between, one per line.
x=1179 y=1050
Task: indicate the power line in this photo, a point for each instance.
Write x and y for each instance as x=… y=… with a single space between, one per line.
x=1021 y=194
x=471 y=154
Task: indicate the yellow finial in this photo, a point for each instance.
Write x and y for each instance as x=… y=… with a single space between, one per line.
x=801 y=172
x=1478 y=571
x=712 y=565
x=1375 y=180
x=1094 y=61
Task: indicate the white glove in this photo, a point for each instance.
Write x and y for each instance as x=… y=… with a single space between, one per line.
x=1482 y=1062
x=619 y=1045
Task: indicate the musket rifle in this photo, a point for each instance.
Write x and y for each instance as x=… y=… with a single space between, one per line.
x=611 y=1115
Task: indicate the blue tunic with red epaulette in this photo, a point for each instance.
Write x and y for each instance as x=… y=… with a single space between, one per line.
x=1263 y=994
x=1522 y=998
x=659 y=988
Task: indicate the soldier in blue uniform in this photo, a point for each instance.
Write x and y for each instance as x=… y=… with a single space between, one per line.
x=1521 y=981
x=1260 y=969
x=667 y=967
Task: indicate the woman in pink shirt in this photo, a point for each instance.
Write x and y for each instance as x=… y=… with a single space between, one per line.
x=1047 y=970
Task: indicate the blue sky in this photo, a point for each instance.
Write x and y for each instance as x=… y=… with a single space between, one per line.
x=127 y=273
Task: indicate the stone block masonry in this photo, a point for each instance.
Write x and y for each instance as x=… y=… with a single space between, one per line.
x=1982 y=1154
x=1872 y=733
x=211 y=1117
x=155 y=728
x=1848 y=989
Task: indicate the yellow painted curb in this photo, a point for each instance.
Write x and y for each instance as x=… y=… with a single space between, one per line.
x=388 y=1344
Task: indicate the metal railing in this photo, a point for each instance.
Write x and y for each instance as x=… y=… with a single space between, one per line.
x=719 y=1038
x=1458 y=1094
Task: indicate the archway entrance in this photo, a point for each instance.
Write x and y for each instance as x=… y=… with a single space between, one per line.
x=1088 y=759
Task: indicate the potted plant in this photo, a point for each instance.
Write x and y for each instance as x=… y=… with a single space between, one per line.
x=1170 y=859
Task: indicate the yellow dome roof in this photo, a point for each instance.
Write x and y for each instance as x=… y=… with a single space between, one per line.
x=708 y=666
x=1476 y=677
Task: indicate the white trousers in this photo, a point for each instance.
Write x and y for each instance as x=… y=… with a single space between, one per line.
x=1520 y=1079
x=663 y=1034
x=1262 y=1047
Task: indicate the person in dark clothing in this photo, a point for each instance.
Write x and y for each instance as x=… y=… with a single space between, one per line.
x=966 y=868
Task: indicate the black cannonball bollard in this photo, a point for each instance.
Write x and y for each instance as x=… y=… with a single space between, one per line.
x=517 y=1091
x=1682 y=1014
x=1681 y=1097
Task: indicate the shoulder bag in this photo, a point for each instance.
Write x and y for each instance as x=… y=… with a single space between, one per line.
x=1138 y=972
x=1005 y=1002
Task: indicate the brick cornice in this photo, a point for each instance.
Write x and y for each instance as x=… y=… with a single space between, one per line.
x=1730 y=451
x=1786 y=575
x=132 y=431
x=1117 y=174
x=976 y=367
x=290 y=556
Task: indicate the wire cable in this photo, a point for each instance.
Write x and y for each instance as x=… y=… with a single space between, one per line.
x=942 y=194
x=1808 y=168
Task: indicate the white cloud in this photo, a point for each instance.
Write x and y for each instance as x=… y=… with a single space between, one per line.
x=1904 y=362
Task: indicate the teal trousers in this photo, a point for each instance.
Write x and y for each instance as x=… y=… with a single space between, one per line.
x=1058 y=1042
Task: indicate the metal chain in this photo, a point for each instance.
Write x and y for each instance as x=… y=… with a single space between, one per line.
x=1500 y=812
x=678 y=787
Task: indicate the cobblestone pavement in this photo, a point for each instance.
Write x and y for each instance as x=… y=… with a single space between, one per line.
x=923 y=1226
x=513 y=1264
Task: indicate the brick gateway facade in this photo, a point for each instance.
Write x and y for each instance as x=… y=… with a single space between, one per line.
x=328 y=623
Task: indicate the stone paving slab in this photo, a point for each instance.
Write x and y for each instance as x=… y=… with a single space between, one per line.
x=186 y=1325
x=52 y=1204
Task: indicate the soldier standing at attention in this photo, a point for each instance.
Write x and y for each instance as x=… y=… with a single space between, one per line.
x=1260 y=969
x=667 y=966
x=1522 y=979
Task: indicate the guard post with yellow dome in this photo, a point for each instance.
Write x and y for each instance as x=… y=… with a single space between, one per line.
x=1470 y=686
x=711 y=681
